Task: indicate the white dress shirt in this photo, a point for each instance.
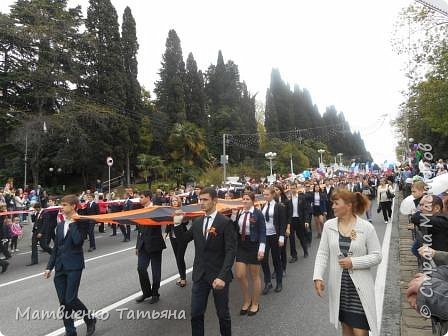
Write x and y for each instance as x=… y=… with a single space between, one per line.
x=295 y=210
x=67 y=223
x=210 y=222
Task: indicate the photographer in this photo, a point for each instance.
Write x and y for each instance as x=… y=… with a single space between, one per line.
x=428 y=296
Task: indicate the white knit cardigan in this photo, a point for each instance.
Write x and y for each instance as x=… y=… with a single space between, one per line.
x=366 y=253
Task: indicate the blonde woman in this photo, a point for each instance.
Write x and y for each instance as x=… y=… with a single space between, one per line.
x=350 y=248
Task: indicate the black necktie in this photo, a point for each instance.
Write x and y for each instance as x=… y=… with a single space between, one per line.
x=267 y=212
x=206 y=226
x=243 y=230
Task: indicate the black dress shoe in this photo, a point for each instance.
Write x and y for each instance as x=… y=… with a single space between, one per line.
x=31 y=264
x=91 y=327
x=141 y=298
x=293 y=260
x=278 y=288
x=252 y=313
x=267 y=288
x=154 y=299
x=91 y=249
x=5 y=265
x=244 y=311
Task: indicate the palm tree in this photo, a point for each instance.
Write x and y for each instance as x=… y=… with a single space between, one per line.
x=150 y=163
x=187 y=144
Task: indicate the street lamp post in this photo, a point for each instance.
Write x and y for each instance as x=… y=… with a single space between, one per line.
x=340 y=158
x=321 y=151
x=270 y=156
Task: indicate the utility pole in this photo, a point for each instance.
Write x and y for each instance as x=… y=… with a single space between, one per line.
x=26 y=158
x=224 y=157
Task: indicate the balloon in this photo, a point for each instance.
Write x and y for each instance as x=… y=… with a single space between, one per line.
x=407 y=206
x=438 y=184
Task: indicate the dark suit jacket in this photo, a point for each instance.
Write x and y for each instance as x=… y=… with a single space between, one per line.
x=303 y=208
x=46 y=222
x=257 y=227
x=150 y=239
x=357 y=187
x=213 y=257
x=280 y=218
x=67 y=252
x=93 y=209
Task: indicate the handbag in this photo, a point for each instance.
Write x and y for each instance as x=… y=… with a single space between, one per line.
x=389 y=194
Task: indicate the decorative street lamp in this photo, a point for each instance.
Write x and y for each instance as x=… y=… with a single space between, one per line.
x=270 y=156
x=321 y=151
x=340 y=158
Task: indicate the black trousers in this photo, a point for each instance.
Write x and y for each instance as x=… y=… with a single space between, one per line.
x=144 y=259
x=43 y=242
x=199 y=297
x=386 y=208
x=114 y=229
x=101 y=228
x=4 y=249
x=297 y=228
x=283 y=256
x=179 y=252
x=67 y=285
x=272 y=245
x=91 y=234
x=126 y=231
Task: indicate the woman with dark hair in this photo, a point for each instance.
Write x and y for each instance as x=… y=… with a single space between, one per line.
x=319 y=205
x=251 y=228
x=280 y=196
x=178 y=249
x=350 y=247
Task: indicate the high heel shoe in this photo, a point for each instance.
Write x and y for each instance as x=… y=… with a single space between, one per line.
x=252 y=313
x=244 y=311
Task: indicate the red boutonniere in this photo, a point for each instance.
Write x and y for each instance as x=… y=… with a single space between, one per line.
x=212 y=231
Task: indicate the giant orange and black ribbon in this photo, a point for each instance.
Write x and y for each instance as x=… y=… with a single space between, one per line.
x=163 y=215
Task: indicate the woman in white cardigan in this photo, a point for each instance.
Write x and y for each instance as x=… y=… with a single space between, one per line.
x=350 y=247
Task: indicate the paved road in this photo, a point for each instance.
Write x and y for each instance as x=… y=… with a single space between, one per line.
x=111 y=278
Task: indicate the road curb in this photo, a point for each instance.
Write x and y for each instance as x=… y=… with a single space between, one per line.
x=411 y=323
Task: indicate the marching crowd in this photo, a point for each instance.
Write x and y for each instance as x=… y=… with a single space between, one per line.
x=337 y=208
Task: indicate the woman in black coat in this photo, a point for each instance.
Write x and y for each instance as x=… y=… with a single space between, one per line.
x=178 y=248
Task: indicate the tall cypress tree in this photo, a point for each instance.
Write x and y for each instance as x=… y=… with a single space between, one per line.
x=170 y=88
x=271 y=118
x=130 y=48
x=194 y=94
x=105 y=60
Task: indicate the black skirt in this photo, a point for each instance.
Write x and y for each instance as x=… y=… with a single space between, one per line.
x=247 y=252
x=317 y=211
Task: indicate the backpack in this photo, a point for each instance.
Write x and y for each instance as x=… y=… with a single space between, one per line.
x=16 y=230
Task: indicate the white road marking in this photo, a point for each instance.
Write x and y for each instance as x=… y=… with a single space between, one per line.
x=117 y=304
x=381 y=273
x=28 y=252
x=87 y=260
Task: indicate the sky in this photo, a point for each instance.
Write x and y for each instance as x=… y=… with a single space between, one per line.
x=341 y=51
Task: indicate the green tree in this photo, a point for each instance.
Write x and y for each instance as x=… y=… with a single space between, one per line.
x=194 y=94
x=170 y=89
x=103 y=55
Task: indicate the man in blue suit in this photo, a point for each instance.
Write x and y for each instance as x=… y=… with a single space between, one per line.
x=67 y=259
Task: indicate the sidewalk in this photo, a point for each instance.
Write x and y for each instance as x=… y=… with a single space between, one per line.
x=412 y=323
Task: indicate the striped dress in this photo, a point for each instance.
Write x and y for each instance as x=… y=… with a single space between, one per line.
x=351 y=311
